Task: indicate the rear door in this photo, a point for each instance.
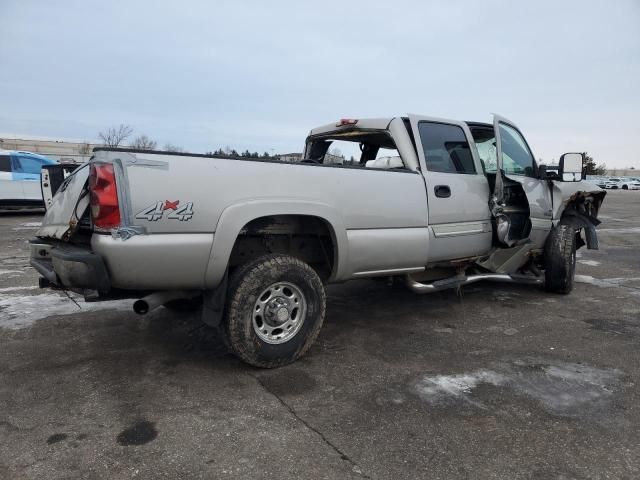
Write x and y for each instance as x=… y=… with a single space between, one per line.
x=27 y=172
x=457 y=189
x=10 y=191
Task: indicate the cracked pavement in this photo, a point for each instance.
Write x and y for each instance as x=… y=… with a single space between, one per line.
x=501 y=382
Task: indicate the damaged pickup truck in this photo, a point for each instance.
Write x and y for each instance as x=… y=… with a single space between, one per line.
x=251 y=242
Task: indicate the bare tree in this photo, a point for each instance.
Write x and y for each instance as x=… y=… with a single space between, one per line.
x=85 y=148
x=114 y=136
x=168 y=147
x=142 y=142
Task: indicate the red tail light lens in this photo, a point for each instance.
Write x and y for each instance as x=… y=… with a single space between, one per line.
x=105 y=209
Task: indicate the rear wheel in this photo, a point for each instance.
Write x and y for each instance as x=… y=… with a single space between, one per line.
x=625 y=187
x=560 y=258
x=275 y=310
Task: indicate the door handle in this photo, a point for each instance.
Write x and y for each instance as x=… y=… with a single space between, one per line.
x=442 y=191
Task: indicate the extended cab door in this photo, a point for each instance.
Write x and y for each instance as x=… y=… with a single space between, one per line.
x=457 y=189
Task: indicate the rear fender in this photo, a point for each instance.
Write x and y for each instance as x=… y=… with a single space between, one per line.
x=235 y=217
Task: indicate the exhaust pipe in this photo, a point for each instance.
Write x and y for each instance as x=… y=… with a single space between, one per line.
x=153 y=301
x=460 y=280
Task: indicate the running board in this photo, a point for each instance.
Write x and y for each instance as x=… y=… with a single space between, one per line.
x=460 y=280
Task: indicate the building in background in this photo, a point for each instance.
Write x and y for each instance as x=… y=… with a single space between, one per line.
x=290 y=157
x=622 y=172
x=56 y=150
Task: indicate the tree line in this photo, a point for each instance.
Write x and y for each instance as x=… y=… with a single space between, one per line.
x=117 y=136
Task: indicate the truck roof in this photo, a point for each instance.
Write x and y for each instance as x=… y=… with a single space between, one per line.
x=369 y=124
x=361 y=123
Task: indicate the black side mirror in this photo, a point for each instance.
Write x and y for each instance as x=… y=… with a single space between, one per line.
x=547 y=172
x=571 y=167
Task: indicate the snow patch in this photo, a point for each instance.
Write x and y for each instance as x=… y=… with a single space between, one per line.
x=561 y=388
x=605 y=282
x=7 y=272
x=21 y=311
x=591 y=263
x=28 y=226
x=619 y=230
x=17 y=289
x=437 y=388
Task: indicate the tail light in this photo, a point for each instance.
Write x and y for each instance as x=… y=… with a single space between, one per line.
x=105 y=209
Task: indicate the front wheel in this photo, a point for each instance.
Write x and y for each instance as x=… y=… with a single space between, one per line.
x=560 y=259
x=275 y=309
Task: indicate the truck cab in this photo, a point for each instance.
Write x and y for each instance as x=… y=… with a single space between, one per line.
x=484 y=190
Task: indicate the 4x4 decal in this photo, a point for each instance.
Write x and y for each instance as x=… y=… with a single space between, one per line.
x=155 y=212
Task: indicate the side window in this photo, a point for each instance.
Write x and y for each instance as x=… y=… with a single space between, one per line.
x=5 y=163
x=28 y=165
x=516 y=156
x=446 y=148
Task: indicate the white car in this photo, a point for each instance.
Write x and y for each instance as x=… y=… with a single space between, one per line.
x=613 y=183
x=20 y=178
x=632 y=183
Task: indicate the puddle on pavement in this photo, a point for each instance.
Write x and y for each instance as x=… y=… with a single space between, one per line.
x=138 y=434
x=613 y=325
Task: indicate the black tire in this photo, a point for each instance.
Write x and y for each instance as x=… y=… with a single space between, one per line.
x=560 y=259
x=624 y=187
x=246 y=284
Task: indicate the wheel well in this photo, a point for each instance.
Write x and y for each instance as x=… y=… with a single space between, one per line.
x=309 y=238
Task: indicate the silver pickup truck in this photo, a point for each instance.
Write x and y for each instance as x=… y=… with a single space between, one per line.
x=251 y=243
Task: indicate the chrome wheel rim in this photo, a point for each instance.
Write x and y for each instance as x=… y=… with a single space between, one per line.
x=279 y=312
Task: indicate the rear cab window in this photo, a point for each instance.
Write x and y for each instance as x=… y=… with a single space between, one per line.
x=369 y=149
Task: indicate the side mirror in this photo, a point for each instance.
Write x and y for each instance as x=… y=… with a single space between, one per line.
x=571 y=167
x=548 y=172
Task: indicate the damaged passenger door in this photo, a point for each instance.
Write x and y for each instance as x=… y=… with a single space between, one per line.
x=516 y=163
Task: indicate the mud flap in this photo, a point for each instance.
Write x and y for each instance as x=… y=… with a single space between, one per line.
x=213 y=303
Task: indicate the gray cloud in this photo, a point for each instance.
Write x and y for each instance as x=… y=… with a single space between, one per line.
x=259 y=75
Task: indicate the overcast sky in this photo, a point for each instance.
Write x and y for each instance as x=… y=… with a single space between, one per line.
x=258 y=75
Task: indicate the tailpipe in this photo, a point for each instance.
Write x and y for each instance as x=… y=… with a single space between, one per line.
x=153 y=301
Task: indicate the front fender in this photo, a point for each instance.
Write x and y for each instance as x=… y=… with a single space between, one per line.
x=580 y=207
x=236 y=216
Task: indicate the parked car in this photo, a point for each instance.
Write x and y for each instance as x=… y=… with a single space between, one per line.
x=434 y=203
x=20 y=178
x=630 y=184
x=613 y=183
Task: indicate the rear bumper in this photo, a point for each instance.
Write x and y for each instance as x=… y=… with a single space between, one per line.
x=70 y=266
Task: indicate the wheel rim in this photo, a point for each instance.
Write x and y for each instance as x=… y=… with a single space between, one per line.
x=279 y=312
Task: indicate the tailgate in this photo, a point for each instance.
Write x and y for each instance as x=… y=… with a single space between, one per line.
x=67 y=206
